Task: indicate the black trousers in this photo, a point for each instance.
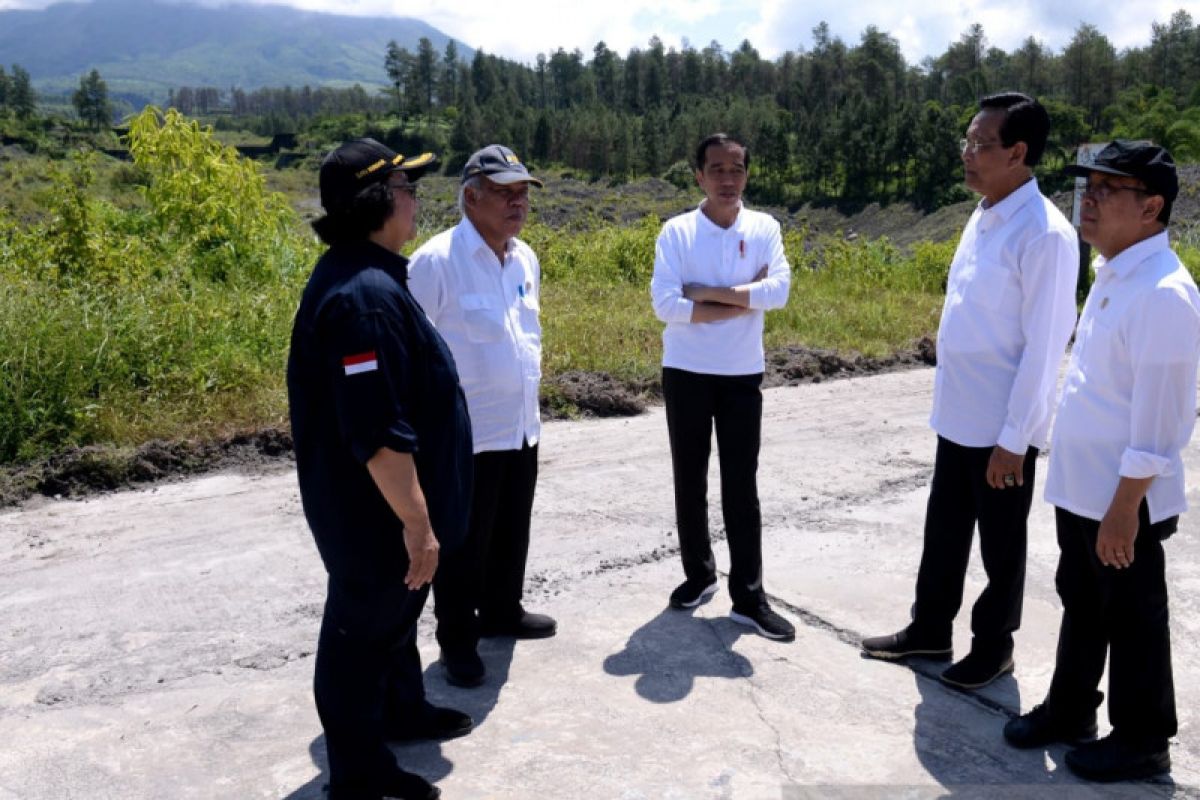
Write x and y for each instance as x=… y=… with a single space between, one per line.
x=960 y=498
x=1123 y=612
x=368 y=673
x=486 y=576
x=695 y=403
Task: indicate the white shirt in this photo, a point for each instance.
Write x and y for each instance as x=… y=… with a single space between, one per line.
x=1129 y=398
x=1009 y=310
x=488 y=314
x=693 y=249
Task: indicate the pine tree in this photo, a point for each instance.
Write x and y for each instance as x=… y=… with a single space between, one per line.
x=21 y=98
x=91 y=101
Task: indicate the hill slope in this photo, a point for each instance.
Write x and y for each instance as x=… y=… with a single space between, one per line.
x=144 y=47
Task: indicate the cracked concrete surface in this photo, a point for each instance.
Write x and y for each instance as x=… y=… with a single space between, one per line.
x=158 y=644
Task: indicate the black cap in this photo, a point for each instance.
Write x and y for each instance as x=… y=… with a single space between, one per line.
x=1149 y=163
x=357 y=164
x=498 y=164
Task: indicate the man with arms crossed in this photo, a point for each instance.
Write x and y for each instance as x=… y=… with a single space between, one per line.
x=480 y=286
x=1009 y=310
x=716 y=270
x=1116 y=475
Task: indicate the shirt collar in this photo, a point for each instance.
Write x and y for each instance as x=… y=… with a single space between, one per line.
x=364 y=253
x=1124 y=262
x=1015 y=199
x=714 y=226
x=474 y=240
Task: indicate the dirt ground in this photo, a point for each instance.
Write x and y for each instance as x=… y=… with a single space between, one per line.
x=158 y=643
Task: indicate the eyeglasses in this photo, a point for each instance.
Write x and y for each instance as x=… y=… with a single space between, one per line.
x=410 y=188
x=973 y=146
x=517 y=192
x=1100 y=192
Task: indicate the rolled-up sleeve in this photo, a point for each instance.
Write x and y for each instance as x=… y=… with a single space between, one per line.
x=372 y=383
x=772 y=291
x=1163 y=343
x=666 y=284
x=1049 y=271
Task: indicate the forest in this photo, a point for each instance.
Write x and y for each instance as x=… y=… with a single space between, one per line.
x=830 y=121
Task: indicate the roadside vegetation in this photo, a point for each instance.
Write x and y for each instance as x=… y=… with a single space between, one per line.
x=153 y=299
x=164 y=311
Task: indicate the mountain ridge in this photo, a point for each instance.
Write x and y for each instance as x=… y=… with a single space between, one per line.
x=142 y=49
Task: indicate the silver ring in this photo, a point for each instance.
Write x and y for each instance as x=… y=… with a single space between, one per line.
x=1010 y=479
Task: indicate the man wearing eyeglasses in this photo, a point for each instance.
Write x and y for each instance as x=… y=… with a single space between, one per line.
x=1116 y=475
x=1009 y=310
x=480 y=286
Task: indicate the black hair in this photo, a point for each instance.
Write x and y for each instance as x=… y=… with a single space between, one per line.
x=1025 y=120
x=364 y=215
x=721 y=140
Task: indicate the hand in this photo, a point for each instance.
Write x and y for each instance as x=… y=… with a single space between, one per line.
x=1114 y=543
x=758 y=276
x=422 y=547
x=1005 y=465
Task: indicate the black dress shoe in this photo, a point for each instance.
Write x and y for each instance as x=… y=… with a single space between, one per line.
x=399 y=784
x=431 y=722
x=463 y=668
x=902 y=644
x=1115 y=759
x=976 y=670
x=524 y=626
x=1042 y=726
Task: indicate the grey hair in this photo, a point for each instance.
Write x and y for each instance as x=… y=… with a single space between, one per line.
x=472 y=182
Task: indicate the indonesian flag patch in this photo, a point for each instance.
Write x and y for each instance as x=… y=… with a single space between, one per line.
x=362 y=362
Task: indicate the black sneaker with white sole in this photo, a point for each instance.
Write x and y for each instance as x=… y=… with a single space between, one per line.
x=764 y=620
x=690 y=595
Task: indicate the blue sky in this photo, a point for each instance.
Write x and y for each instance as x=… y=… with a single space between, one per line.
x=521 y=29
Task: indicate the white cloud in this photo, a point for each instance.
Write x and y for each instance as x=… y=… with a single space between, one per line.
x=521 y=29
x=928 y=29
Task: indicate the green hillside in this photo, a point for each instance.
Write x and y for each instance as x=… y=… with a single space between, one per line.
x=145 y=47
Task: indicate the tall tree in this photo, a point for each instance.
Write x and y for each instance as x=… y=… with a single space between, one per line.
x=21 y=98
x=424 y=75
x=1089 y=67
x=447 y=91
x=91 y=101
x=398 y=65
x=604 y=67
x=962 y=66
x=1032 y=66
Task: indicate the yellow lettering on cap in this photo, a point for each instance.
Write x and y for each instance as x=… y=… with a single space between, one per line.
x=512 y=158
x=370 y=169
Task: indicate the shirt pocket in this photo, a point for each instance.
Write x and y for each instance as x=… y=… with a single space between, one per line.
x=483 y=318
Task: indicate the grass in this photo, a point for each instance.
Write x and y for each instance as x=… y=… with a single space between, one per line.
x=154 y=300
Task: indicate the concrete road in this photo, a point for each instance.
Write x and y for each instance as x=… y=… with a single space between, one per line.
x=158 y=644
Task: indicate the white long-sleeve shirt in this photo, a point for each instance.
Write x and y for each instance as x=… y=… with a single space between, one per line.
x=692 y=248
x=1009 y=311
x=1129 y=400
x=488 y=314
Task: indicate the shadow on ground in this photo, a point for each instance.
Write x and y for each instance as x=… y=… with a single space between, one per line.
x=675 y=648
